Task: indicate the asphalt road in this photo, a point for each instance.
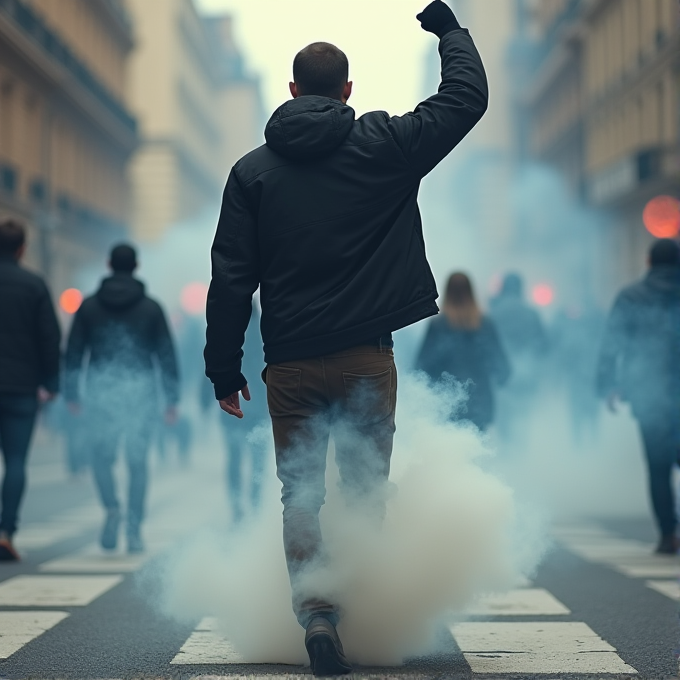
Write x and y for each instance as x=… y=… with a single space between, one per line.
x=599 y=605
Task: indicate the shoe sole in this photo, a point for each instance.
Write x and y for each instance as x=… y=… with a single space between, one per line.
x=324 y=657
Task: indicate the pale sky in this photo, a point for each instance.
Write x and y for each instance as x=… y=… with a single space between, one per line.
x=382 y=38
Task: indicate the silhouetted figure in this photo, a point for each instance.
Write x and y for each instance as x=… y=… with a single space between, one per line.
x=324 y=219
x=124 y=336
x=245 y=450
x=640 y=363
x=464 y=344
x=577 y=335
x=29 y=370
x=524 y=339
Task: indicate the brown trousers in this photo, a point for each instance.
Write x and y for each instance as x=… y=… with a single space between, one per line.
x=352 y=394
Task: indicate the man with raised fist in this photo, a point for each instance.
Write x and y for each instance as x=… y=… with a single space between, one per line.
x=324 y=219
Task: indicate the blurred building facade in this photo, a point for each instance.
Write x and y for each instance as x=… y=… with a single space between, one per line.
x=65 y=132
x=602 y=106
x=197 y=111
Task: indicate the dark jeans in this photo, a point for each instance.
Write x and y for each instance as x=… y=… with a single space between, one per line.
x=353 y=394
x=662 y=450
x=106 y=430
x=238 y=451
x=17 y=418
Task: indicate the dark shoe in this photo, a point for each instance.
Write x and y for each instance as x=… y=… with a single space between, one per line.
x=135 y=543
x=668 y=545
x=8 y=552
x=326 y=656
x=109 y=537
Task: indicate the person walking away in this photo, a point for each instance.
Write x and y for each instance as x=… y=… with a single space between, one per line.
x=125 y=337
x=29 y=370
x=524 y=338
x=640 y=363
x=245 y=457
x=324 y=219
x=463 y=343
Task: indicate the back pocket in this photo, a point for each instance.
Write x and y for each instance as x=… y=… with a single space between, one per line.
x=370 y=397
x=283 y=389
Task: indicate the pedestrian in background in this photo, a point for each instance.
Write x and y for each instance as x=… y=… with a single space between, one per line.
x=524 y=339
x=124 y=336
x=463 y=343
x=29 y=370
x=324 y=219
x=640 y=363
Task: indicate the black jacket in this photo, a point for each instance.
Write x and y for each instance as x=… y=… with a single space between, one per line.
x=29 y=332
x=473 y=357
x=640 y=355
x=126 y=336
x=324 y=218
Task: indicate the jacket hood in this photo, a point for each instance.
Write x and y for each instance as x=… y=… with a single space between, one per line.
x=309 y=127
x=664 y=279
x=120 y=291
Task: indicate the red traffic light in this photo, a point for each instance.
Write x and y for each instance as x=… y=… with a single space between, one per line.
x=661 y=217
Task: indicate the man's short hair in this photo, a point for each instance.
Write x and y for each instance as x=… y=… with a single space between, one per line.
x=123 y=258
x=664 y=251
x=12 y=236
x=321 y=69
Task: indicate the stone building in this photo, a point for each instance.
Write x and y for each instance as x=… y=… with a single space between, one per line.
x=603 y=105
x=65 y=132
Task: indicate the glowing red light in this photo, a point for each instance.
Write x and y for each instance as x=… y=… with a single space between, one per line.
x=70 y=300
x=542 y=295
x=661 y=217
x=194 y=297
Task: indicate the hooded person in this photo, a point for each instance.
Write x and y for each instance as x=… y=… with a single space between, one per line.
x=324 y=219
x=125 y=338
x=640 y=363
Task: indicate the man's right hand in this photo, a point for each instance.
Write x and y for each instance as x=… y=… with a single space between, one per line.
x=232 y=405
x=438 y=18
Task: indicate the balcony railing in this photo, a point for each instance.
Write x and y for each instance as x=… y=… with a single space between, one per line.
x=34 y=28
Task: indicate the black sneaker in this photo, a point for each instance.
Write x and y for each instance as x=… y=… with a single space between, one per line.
x=109 y=537
x=326 y=656
x=668 y=545
x=8 y=552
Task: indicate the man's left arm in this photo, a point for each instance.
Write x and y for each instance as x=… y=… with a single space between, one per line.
x=235 y=277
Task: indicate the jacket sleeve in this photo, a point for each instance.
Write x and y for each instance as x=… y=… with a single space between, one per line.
x=428 y=134
x=235 y=277
x=76 y=347
x=49 y=341
x=167 y=359
x=612 y=348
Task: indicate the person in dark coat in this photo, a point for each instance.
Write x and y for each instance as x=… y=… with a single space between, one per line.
x=524 y=339
x=463 y=343
x=125 y=337
x=29 y=370
x=324 y=219
x=640 y=363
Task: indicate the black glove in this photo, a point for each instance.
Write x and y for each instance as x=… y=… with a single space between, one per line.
x=438 y=18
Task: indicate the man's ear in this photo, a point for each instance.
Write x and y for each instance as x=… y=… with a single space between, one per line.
x=293 y=90
x=347 y=92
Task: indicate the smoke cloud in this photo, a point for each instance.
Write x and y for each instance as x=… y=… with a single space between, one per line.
x=452 y=533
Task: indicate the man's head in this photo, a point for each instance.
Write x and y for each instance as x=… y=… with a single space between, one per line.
x=12 y=238
x=665 y=251
x=321 y=69
x=123 y=258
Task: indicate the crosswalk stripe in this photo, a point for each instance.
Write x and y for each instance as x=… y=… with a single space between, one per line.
x=668 y=588
x=531 y=648
x=19 y=628
x=54 y=591
x=206 y=646
x=520 y=602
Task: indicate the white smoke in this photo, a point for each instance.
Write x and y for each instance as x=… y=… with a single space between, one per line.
x=451 y=533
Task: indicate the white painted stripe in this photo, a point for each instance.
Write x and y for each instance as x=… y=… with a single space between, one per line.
x=569 y=647
x=207 y=647
x=54 y=591
x=521 y=602
x=95 y=563
x=649 y=571
x=19 y=628
x=668 y=588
